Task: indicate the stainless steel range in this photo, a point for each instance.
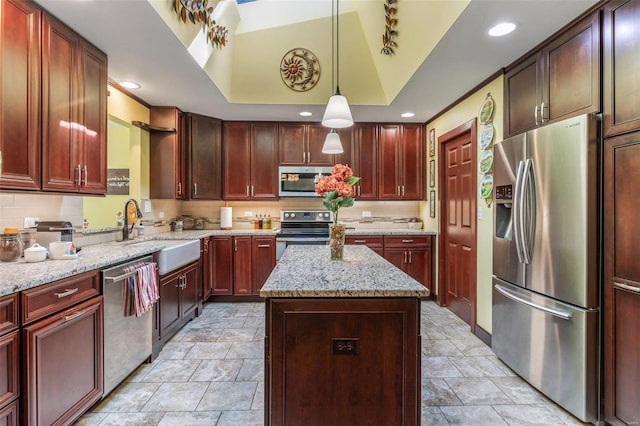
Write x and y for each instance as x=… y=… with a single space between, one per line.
x=303 y=227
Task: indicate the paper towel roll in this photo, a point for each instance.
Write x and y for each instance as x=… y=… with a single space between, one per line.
x=226 y=216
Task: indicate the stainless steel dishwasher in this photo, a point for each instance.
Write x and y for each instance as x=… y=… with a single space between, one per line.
x=127 y=339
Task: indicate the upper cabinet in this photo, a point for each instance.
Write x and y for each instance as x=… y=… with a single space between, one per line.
x=250 y=157
x=204 y=135
x=54 y=105
x=301 y=145
x=401 y=162
x=74 y=112
x=19 y=95
x=621 y=67
x=559 y=81
x=364 y=155
x=166 y=153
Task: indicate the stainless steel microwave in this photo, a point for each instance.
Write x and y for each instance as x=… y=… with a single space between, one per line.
x=300 y=181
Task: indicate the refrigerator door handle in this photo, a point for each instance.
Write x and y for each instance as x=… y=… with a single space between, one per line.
x=518 y=212
x=528 y=224
x=555 y=312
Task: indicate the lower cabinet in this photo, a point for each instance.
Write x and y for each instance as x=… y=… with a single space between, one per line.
x=9 y=373
x=412 y=254
x=9 y=414
x=374 y=242
x=178 y=299
x=63 y=371
x=263 y=260
x=242 y=266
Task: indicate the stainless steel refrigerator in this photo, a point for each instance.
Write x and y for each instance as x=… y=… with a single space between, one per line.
x=545 y=261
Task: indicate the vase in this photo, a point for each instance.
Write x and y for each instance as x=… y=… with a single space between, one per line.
x=336 y=241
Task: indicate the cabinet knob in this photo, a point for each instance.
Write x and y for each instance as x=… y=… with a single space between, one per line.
x=535 y=114
x=403 y=190
x=79 y=171
x=542 y=116
x=86 y=175
x=195 y=189
x=73 y=315
x=410 y=256
x=264 y=245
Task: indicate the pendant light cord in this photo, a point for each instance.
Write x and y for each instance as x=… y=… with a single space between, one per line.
x=337 y=46
x=333 y=47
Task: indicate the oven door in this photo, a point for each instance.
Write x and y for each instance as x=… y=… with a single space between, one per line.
x=283 y=242
x=300 y=181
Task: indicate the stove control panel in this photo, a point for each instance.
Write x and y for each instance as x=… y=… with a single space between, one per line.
x=305 y=216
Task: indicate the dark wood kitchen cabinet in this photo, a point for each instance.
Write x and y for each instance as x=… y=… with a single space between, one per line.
x=9 y=414
x=301 y=145
x=250 y=156
x=166 y=153
x=364 y=160
x=242 y=266
x=263 y=260
x=204 y=157
x=63 y=371
x=621 y=67
x=401 y=162
x=222 y=248
x=9 y=360
x=208 y=266
x=20 y=95
x=412 y=254
x=374 y=242
x=74 y=112
x=178 y=299
x=621 y=279
x=559 y=81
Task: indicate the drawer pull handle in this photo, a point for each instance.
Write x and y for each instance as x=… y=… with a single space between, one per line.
x=67 y=292
x=74 y=315
x=407 y=241
x=627 y=287
x=264 y=245
x=360 y=241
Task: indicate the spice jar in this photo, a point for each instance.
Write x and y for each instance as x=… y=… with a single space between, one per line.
x=10 y=245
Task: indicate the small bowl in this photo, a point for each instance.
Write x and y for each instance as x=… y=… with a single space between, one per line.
x=415 y=225
x=35 y=253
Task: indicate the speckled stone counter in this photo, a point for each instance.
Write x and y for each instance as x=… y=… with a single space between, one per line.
x=308 y=271
x=387 y=231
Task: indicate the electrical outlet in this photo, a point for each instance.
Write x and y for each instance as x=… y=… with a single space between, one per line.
x=248 y=214
x=31 y=222
x=147 y=207
x=160 y=215
x=366 y=213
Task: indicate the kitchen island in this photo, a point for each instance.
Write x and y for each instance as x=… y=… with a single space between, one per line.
x=342 y=340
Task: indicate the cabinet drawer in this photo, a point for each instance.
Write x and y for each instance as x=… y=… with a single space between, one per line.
x=50 y=298
x=9 y=368
x=407 y=240
x=8 y=313
x=373 y=241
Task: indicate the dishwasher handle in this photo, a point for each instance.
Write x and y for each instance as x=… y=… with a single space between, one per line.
x=127 y=274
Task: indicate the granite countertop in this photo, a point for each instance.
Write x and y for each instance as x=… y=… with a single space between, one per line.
x=387 y=231
x=307 y=271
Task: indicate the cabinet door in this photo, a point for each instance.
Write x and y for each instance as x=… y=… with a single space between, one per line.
x=205 y=157
x=572 y=71
x=19 y=95
x=293 y=144
x=9 y=367
x=169 y=302
x=189 y=290
x=419 y=265
x=93 y=110
x=237 y=161
x=222 y=248
x=346 y=139
x=521 y=95
x=316 y=134
x=242 y=266
x=621 y=70
x=264 y=161
x=621 y=279
x=365 y=160
x=61 y=166
x=63 y=352
x=206 y=257
x=397 y=256
x=389 y=160
x=9 y=414
x=263 y=259
x=412 y=162
x=166 y=156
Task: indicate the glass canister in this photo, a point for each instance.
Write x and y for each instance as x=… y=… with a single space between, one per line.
x=10 y=245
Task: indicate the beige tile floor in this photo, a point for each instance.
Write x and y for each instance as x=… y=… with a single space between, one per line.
x=211 y=373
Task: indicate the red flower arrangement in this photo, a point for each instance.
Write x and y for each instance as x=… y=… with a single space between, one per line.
x=337 y=189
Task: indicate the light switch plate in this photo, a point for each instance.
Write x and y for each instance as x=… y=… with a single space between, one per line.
x=480 y=214
x=248 y=214
x=31 y=222
x=366 y=213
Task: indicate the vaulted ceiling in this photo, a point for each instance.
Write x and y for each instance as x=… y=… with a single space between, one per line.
x=443 y=51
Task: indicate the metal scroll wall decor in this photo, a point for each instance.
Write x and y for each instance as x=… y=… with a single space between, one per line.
x=485 y=166
x=199 y=12
x=390 y=22
x=300 y=69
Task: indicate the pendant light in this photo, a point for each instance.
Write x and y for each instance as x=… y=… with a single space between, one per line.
x=337 y=115
x=332 y=144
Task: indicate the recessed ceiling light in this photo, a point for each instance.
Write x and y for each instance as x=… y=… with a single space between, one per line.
x=407 y=114
x=306 y=114
x=501 y=29
x=130 y=84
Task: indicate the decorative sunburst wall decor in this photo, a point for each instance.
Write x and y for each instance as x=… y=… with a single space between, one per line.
x=390 y=22
x=300 y=69
x=198 y=12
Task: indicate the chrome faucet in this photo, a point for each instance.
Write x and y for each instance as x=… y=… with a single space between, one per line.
x=126 y=232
